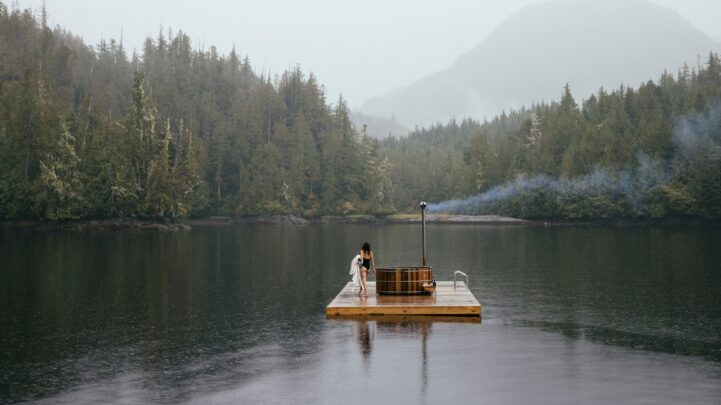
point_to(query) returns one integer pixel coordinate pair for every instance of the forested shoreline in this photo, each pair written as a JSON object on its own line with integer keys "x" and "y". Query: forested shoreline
{"x": 92, "y": 132}
{"x": 171, "y": 132}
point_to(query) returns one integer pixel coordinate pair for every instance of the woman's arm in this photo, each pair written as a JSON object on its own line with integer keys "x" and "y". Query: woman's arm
{"x": 373, "y": 262}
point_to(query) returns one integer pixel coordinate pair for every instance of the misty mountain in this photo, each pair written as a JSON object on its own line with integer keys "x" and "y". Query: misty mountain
{"x": 377, "y": 126}
{"x": 532, "y": 55}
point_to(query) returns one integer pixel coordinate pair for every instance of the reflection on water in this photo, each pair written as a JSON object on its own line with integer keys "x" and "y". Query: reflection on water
{"x": 413, "y": 327}
{"x": 229, "y": 314}
{"x": 409, "y": 327}
{"x": 365, "y": 338}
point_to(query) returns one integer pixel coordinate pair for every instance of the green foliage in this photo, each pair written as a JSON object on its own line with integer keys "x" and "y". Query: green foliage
{"x": 89, "y": 132}
{"x": 616, "y": 132}
{"x": 59, "y": 187}
{"x": 172, "y": 132}
{"x": 429, "y": 164}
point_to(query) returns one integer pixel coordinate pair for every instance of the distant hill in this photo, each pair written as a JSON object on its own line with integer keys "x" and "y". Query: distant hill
{"x": 377, "y": 126}
{"x": 533, "y": 54}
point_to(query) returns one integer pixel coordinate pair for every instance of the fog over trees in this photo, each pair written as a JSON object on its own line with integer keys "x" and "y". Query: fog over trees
{"x": 173, "y": 132}
{"x": 647, "y": 153}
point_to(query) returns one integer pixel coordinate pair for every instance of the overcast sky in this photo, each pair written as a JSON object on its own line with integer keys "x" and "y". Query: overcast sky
{"x": 360, "y": 48}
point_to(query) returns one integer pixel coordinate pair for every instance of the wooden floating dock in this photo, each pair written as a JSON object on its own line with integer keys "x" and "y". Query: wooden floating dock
{"x": 446, "y": 301}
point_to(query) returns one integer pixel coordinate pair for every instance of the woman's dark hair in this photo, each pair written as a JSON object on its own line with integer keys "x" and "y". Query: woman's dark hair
{"x": 366, "y": 247}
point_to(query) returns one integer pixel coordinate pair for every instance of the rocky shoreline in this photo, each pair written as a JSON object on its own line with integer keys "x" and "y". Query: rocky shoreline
{"x": 132, "y": 224}
{"x": 364, "y": 219}
{"x": 119, "y": 224}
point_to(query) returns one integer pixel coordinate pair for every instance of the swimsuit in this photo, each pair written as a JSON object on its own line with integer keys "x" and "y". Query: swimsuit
{"x": 366, "y": 264}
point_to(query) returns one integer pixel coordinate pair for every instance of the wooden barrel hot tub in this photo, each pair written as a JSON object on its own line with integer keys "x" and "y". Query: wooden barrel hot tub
{"x": 402, "y": 280}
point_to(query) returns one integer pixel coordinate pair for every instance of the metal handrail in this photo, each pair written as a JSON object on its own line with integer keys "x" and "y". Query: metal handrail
{"x": 455, "y": 275}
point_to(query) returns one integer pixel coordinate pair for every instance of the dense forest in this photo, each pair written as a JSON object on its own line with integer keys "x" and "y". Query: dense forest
{"x": 92, "y": 132}
{"x": 172, "y": 132}
{"x": 647, "y": 153}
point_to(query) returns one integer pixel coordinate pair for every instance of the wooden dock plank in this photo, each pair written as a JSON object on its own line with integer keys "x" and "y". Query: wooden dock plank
{"x": 446, "y": 301}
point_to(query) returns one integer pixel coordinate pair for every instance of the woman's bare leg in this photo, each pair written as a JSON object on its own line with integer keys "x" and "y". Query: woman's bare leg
{"x": 364, "y": 274}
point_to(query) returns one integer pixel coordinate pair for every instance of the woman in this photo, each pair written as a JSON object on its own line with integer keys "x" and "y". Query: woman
{"x": 369, "y": 264}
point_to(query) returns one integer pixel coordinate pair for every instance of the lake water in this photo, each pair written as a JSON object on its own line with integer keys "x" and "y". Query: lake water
{"x": 236, "y": 315}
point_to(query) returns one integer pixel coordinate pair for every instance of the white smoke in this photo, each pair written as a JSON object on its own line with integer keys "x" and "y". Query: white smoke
{"x": 695, "y": 135}
{"x": 699, "y": 134}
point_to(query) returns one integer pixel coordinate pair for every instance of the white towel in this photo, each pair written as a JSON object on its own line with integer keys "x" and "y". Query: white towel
{"x": 355, "y": 272}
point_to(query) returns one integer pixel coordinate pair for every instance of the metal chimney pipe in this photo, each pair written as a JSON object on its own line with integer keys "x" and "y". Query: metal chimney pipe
{"x": 423, "y": 229}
